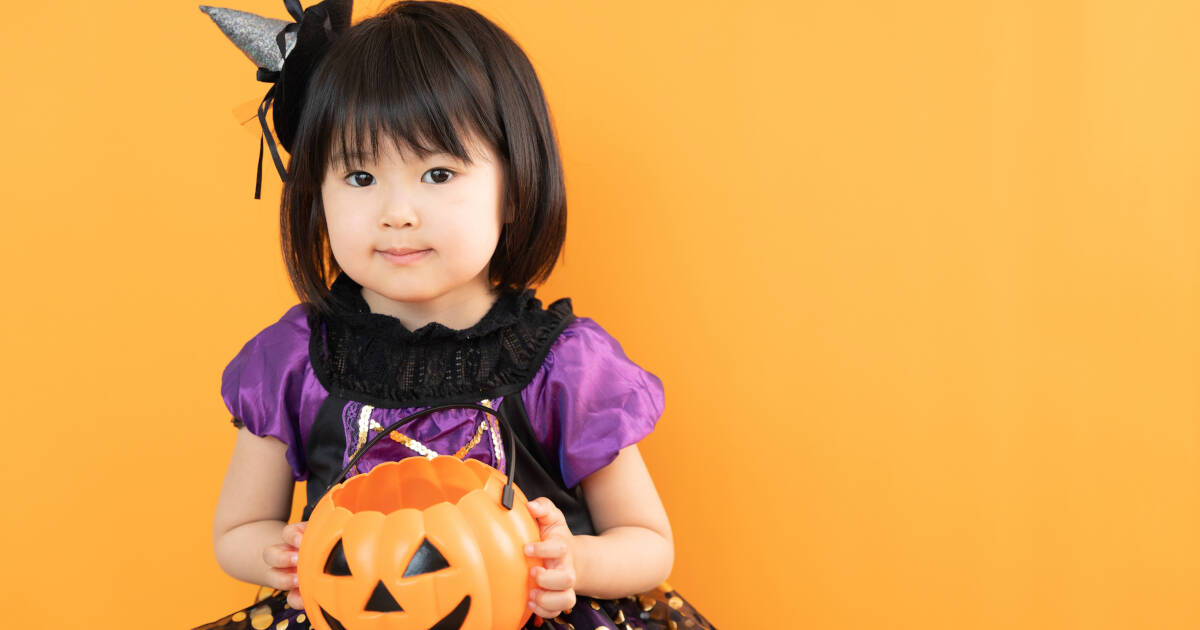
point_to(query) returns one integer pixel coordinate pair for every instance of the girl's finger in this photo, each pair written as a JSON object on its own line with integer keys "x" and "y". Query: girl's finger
{"x": 283, "y": 579}
{"x": 280, "y": 556}
{"x": 546, "y": 549}
{"x": 553, "y": 600}
{"x": 547, "y": 515}
{"x": 554, "y": 580}
{"x": 292, "y": 534}
{"x": 294, "y": 600}
{"x": 542, "y": 612}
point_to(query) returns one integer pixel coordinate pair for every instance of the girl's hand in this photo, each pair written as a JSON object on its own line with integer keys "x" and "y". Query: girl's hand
{"x": 557, "y": 578}
{"x": 282, "y": 562}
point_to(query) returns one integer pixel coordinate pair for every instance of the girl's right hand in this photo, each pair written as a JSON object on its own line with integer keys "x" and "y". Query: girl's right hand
{"x": 281, "y": 560}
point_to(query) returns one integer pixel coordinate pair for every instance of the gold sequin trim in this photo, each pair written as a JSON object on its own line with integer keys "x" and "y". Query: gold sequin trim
{"x": 412, "y": 444}
{"x": 462, "y": 452}
{"x": 675, "y": 602}
{"x": 238, "y": 616}
{"x": 425, "y": 451}
{"x": 366, "y": 424}
{"x": 497, "y": 452}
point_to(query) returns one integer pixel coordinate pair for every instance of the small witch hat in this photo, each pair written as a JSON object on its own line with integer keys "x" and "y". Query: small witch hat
{"x": 286, "y": 54}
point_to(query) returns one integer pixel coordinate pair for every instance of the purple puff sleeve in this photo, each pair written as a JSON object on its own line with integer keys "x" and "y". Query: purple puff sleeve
{"x": 588, "y": 400}
{"x": 264, "y": 385}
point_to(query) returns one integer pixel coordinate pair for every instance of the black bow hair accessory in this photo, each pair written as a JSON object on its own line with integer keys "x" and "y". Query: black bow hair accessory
{"x": 286, "y": 54}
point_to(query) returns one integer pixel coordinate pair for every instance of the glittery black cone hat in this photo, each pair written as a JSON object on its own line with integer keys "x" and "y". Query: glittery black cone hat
{"x": 286, "y": 54}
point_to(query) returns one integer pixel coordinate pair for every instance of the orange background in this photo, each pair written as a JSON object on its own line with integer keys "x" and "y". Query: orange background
{"x": 920, "y": 279}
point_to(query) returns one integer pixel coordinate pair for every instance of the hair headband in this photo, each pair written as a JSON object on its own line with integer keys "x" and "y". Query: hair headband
{"x": 286, "y": 54}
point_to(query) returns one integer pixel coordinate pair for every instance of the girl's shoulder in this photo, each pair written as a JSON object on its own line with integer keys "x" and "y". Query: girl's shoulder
{"x": 268, "y": 385}
{"x": 584, "y": 331}
{"x": 277, "y": 349}
{"x": 585, "y": 343}
{"x": 290, "y": 328}
{"x": 589, "y": 400}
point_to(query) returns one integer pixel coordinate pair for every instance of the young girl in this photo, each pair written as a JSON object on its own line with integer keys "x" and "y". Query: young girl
{"x": 425, "y": 182}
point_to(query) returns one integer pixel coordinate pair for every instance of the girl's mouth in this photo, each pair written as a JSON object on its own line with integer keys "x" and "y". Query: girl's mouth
{"x": 404, "y": 259}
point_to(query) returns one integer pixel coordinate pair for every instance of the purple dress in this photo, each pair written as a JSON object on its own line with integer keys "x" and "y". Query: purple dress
{"x": 580, "y": 399}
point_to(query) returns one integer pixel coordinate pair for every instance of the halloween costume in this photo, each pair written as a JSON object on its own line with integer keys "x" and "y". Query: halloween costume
{"x": 324, "y": 385}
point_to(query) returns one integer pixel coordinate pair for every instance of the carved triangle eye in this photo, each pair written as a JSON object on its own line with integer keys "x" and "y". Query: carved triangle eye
{"x": 382, "y": 601}
{"x": 336, "y": 564}
{"x": 427, "y": 559}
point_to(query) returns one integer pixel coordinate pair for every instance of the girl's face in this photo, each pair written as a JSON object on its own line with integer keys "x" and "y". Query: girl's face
{"x": 446, "y": 211}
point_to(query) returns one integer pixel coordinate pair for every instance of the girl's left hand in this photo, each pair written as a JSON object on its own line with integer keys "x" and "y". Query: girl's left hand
{"x": 556, "y": 580}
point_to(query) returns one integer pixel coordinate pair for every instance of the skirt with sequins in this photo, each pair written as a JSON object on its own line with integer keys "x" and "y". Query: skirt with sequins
{"x": 660, "y": 609}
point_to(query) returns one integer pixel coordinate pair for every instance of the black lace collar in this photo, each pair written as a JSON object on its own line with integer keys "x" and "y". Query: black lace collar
{"x": 373, "y": 358}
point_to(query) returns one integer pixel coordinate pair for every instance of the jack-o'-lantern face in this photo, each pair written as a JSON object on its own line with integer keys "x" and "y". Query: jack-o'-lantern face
{"x": 427, "y": 559}
{"x": 418, "y": 544}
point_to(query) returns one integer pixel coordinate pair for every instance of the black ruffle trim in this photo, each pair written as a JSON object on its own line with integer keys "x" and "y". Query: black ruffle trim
{"x": 374, "y": 359}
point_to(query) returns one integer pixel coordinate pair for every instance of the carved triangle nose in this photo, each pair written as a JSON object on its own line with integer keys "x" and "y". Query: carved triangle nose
{"x": 382, "y": 600}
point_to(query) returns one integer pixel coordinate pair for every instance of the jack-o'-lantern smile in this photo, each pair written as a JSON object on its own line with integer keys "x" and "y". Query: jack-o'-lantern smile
{"x": 452, "y": 621}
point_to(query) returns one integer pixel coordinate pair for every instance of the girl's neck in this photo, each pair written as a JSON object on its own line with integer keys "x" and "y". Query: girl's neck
{"x": 457, "y": 309}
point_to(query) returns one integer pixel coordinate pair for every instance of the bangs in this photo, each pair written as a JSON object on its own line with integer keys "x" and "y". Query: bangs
{"x": 405, "y": 81}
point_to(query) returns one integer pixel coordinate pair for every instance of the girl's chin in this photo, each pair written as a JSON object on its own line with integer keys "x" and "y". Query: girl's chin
{"x": 393, "y": 294}
{"x": 423, "y": 292}
{"x": 417, "y": 285}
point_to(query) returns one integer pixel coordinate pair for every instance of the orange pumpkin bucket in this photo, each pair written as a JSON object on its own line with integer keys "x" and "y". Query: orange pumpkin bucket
{"x": 428, "y": 544}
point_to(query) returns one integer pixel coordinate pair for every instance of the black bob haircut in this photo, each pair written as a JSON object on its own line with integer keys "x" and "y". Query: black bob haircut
{"x": 427, "y": 75}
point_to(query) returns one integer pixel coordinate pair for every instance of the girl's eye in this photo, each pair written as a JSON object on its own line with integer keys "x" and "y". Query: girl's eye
{"x": 358, "y": 176}
{"x": 360, "y": 179}
{"x": 447, "y": 174}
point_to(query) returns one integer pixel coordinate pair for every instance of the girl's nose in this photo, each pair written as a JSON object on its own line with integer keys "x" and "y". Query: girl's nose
{"x": 398, "y": 214}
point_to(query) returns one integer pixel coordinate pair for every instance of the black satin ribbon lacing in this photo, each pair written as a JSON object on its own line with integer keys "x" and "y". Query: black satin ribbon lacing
{"x": 506, "y": 498}
{"x": 272, "y": 76}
